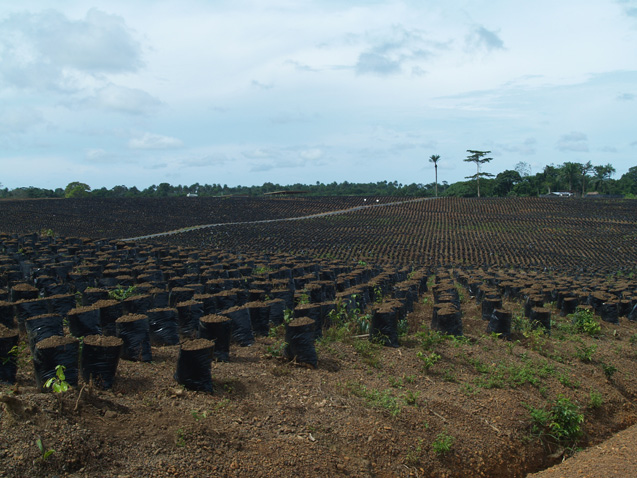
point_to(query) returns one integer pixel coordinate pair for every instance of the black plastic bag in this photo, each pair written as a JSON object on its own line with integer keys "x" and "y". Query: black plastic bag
{"x": 137, "y": 304}
{"x": 194, "y": 365}
{"x": 299, "y": 338}
{"x": 91, "y": 296}
{"x": 100, "y": 356}
{"x": 384, "y": 326}
{"x": 42, "y": 327}
{"x": 500, "y": 323}
{"x": 241, "y": 325}
{"x": 540, "y": 317}
{"x": 30, "y": 308}
{"x": 84, "y": 321}
{"x": 447, "y": 319}
{"x": 189, "y": 313}
{"x": 60, "y": 304}
{"x": 54, "y": 351}
{"x": 164, "y": 326}
{"x": 259, "y": 317}
{"x": 8, "y": 355}
{"x": 217, "y": 328}
{"x": 277, "y": 310}
{"x": 489, "y": 305}
{"x": 134, "y": 330}
{"x": 6, "y": 314}
{"x": 110, "y": 311}
{"x": 313, "y": 311}
{"x": 609, "y": 312}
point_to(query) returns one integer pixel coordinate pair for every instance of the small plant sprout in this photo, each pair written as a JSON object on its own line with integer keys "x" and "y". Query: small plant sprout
{"x": 58, "y": 383}
{"x": 442, "y": 443}
{"x": 44, "y": 453}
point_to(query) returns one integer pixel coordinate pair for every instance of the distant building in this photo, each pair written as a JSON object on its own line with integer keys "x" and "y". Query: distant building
{"x": 192, "y": 195}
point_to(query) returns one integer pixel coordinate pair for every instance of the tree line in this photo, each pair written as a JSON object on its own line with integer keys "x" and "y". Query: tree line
{"x": 576, "y": 178}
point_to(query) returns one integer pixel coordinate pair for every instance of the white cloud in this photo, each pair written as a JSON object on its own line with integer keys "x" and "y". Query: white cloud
{"x": 19, "y": 120}
{"x": 573, "y": 141}
{"x": 123, "y": 100}
{"x": 49, "y": 50}
{"x": 154, "y": 141}
{"x": 481, "y": 38}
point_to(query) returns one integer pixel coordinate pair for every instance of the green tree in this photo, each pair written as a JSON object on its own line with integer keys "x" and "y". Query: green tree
{"x": 505, "y": 181}
{"x": 434, "y": 158}
{"x": 585, "y": 168}
{"x": 571, "y": 172}
{"x": 76, "y": 190}
{"x": 602, "y": 175}
{"x": 478, "y": 157}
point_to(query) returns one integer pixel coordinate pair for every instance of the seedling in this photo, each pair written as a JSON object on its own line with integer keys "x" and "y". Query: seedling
{"x": 121, "y": 293}
{"x": 58, "y": 383}
{"x": 428, "y": 360}
{"x": 44, "y": 453}
{"x": 442, "y": 443}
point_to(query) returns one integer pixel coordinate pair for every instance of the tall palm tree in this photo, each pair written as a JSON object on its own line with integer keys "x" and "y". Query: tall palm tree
{"x": 434, "y": 159}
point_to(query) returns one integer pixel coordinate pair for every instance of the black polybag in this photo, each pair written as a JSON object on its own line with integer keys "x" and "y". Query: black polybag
{"x": 99, "y": 360}
{"x": 164, "y": 326}
{"x": 8, "y": 355}
{"x": 54, "y": 351}
{"x": 134, "y": 330}
{"x": 84, "y": 321}
{"x": 217, "y": 328}
{"x": 194, "y": 365}
{"x": 42, "y": 327}
{"x": 299, "y": 338}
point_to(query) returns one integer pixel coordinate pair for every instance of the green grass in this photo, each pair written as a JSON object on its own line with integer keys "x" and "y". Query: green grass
{"x": 382, "y": 399}
{"x": 442, "y": 443}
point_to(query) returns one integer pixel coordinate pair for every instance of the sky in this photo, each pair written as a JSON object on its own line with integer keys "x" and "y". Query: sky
{"x": 243, "y": 92}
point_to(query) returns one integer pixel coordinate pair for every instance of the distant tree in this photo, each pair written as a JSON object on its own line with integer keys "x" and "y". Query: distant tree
{"x": 434, "y": 158}
{"x": 602, "y": 175}
{"x": 585, "y": 168}
{"x": 571, "y": 172}
{"x": 478, "y": 157}
{"x": 523, "y": 169}
{"x": 505, "y": 181}
{"x": 76, "y": 190}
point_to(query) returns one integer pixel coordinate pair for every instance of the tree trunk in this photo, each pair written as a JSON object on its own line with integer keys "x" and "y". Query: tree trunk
{"x": 436, "y": 170}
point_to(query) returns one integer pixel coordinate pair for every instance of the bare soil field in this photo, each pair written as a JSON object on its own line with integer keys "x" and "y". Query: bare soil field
{"x": 448, "y": 338}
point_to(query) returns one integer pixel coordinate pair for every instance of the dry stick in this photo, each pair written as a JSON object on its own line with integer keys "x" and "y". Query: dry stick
{"x": 439, "y": 416}
{"x": 79, "y": 395}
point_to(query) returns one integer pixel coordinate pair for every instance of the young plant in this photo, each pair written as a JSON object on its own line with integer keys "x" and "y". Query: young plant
{"x": 585, "y": 322}
{"x": 442, "y": 443}
{"x": 58, "y": 383}
{"x": 428, "y": 360}
{"x": 120, "y": 293}
{"x": 44, "y": 452}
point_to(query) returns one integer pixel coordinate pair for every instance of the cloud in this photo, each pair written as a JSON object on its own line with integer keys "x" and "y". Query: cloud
{"x": 573, "y": 141}
{"x": 48, "y": 50}
{"x": 625, "y": 97}
{"x": 527, "y": 147}
{"x": 205, "y": 161}
{"x": 293, "y": 117}
{"x": 261, "y": 86}
{"x": 154, "y": 141}
{"x": 19, "y": 120}
{"x": 391, "y": 49}
{"x": 482, "y": 39}
{"x": 123, "y": 100}
{"x": 299, "y": 66}
{"x": 266, "y": 159}
{"x": 608, "y": 149}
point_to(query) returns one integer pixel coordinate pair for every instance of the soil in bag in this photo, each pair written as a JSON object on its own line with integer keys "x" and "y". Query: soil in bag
{"x": 194, "y": 365}
{"x": 54, "y": 351}
{"x": 100, "y": 356}
{"x": 217, "y": 328}
{"x": 84, "y": 321}
{"x": 42, "y": 327}
{"x": 299, "y": 338}
{"x": 241, "y": 325}
{"x": 8, "y": 354}
{"x": 164, "y": 326}
{"x": 384, "y": 325}
{"x": 134, "y": 330}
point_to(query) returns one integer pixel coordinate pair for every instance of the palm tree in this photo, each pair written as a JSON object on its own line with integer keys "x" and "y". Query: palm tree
{"x": 434, "y": 159}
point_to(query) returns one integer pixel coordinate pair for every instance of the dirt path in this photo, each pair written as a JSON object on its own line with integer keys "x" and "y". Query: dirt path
{"x": 311, "y": 216}
{"x": 615, "y": 457}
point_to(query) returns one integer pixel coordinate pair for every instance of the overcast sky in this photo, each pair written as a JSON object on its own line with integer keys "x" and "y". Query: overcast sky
{"x": 135, "y": 93}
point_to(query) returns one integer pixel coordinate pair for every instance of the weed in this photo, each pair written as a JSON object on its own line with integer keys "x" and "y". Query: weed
{"x": 584, "y": 353}
{"x": 567, "y": 381}
{"x": 121, "y": 293}
{"x": 303, "y": 298}
{"x": 58, "y": 383}
{"x": 469, "y": 390}
{"x": 44, "y": 452}
{"x": 198, "y": 416}
{"x": 442, "y": 443}
{"x": 429, "y": 338}
{"x": 428, "y": 360}
{"x": 561, "y": 422}
{"x": 411, "y": 397}
{"x": 396, "y": 382}
{"x": 595, "y": 399}
{"x": 276, "y": 349}
{"x": 410, "y": 378}
{"x": 180, "y": 439}
{"x": 376, "y": 398}
{"x": 609, "y": 370}
{"x": 585, "y": 322}
{"x": 414, "y": 455}
{"x": 369, "y": 352}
